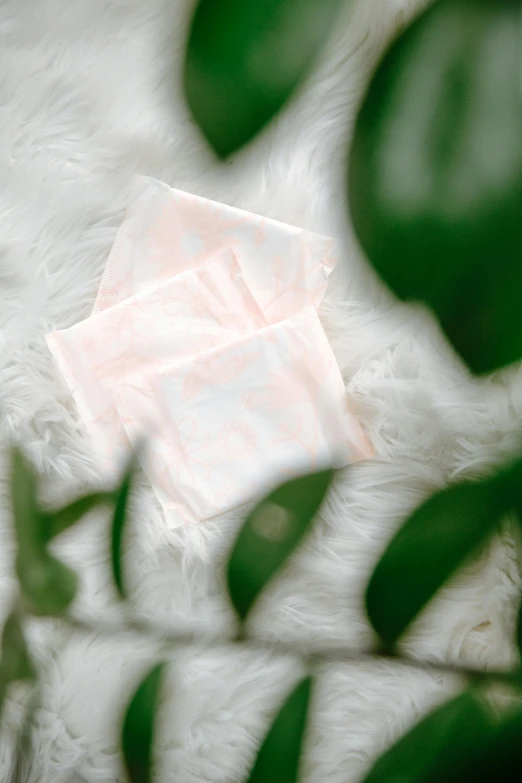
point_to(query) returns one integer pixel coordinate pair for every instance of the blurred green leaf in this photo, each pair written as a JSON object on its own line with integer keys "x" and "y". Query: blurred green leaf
{"x": 270, "y": 534}
{"x": 48, "y": 586}
{"x": 118, "y": 526}
{"x": 435, "y": 173}
{"x": 495, "y": 759}
{"x": 139, "y": 725}
{"x": 56, "y": 522}
{"x": 438, "y": 746}
{"x": 24, "y": 501}
{"x": 245, "y": 58}
{"x": 429, "y": 547}
{"x": 278, "y": 757}
{"x": 15, "y": 663}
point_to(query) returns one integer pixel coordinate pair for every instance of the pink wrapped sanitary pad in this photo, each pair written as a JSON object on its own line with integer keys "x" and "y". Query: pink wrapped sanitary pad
{"x": 226, "y": 425}
{"x": 206, "y": 342}
{"x": 167, "y": 231}
{"x": 174, "y": 320}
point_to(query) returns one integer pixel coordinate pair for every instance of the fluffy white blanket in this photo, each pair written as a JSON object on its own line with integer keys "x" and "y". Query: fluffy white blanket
{"x": 89, "y": 95}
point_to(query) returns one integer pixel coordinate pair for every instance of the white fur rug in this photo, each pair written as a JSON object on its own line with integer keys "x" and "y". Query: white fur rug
{"x": 89, "y": 95}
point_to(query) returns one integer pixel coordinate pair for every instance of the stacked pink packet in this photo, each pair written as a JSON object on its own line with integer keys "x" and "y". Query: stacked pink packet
{"x": 205, "y": 341}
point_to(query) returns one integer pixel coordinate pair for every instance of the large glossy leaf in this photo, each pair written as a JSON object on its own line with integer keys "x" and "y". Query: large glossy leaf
{"x": 278, "y": 757}
{"x": 119, "y": 521}
{"x": 435, "y": 173}
{"x": 138, "y": 727}
{"x": 429, "y": 547}
{"x": 438, "y": 746}
{"x": 244, "y": 60}
{"x": 270, "y": 534}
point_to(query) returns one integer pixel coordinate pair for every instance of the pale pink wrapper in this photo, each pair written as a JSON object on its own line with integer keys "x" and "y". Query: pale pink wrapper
{"x": 174, "y": 320}
{"x": 166, "y": 231}
{"x": 225, "y": 426}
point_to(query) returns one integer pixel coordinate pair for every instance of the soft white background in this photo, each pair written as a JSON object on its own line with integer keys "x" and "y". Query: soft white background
{"x": 89, "y": 95}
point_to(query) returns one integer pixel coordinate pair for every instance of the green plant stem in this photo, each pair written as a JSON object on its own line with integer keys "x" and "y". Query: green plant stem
{"x": 195, "y": 636}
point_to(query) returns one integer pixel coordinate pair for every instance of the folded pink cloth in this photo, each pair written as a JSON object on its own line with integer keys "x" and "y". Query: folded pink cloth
{"x": 167, "y": 231}
{"x": 190, "y": 313}
{"x": 226, "y": 425}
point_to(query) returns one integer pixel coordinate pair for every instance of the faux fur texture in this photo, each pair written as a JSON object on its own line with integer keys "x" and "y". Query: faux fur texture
{"x": 89, "y": 95}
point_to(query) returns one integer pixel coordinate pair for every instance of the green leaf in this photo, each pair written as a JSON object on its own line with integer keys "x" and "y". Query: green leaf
{"x": 24, "y": 502}
{"x": 496, "y": 759}
{"x": 118, "y": 526}
{"x": 429, "y": 547}
{"x": 437, "y": 746}
{"x": 245, "y": 58}
{"x": 278, "y": 757}
{"x": 138, "y": 727}
{"x": 15, "y": 663}
{"x": 56, "y": 522}
{"x": 270, "y": 534}
{"x": 435, "y": 174}
{"x": 48, "y": 586}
